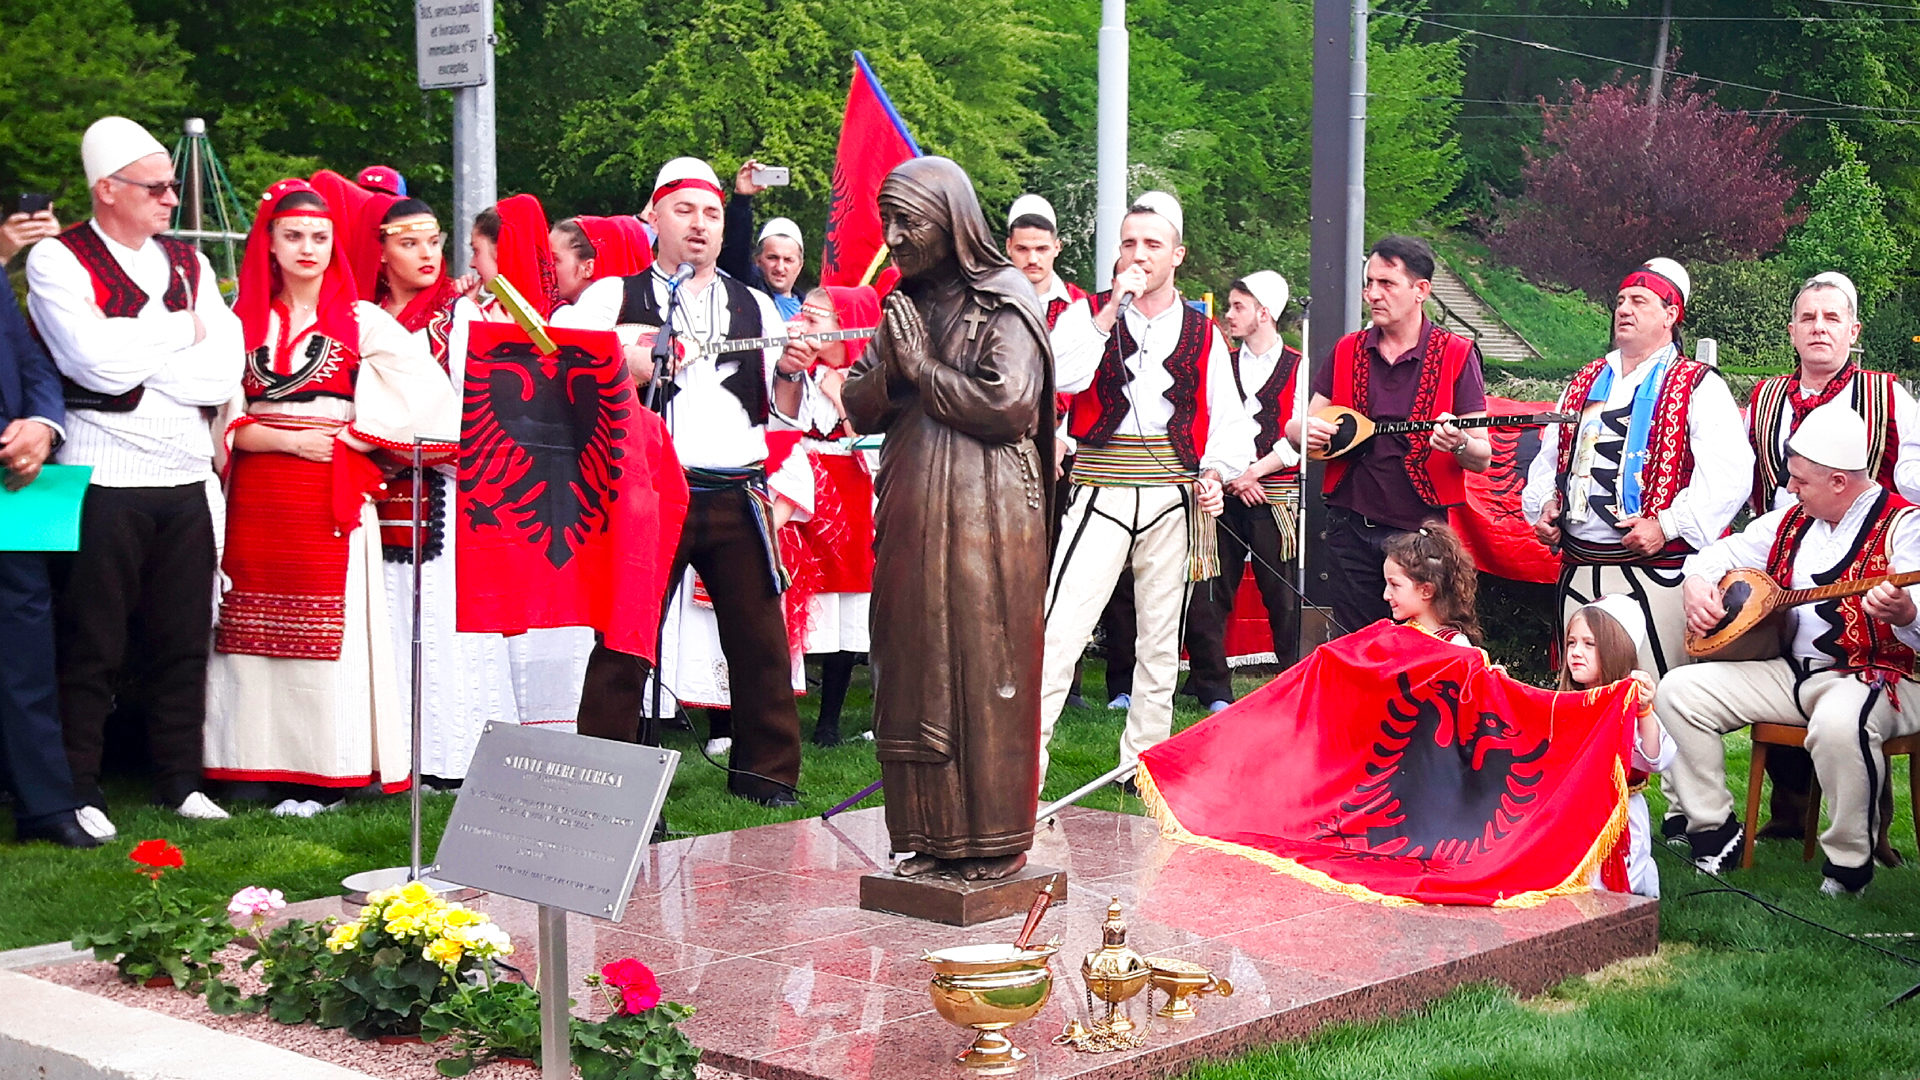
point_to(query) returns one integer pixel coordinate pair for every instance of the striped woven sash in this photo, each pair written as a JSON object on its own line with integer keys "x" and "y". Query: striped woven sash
{"x": 1150, "y": 461}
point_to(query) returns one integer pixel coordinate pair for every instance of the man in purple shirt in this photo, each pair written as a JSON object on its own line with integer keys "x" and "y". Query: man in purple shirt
{"x": 1402, "y": 367}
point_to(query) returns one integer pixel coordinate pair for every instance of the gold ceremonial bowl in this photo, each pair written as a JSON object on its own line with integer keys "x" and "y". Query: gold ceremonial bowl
{"x": 1113, "y": 983}
{"x": 990, "y": 988}
{"x": 1180, "y": 980}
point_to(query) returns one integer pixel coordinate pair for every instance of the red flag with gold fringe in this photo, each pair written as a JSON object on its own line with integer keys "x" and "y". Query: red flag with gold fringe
{"x": 571, "y": 497}
{"x": 1393, "y": 767}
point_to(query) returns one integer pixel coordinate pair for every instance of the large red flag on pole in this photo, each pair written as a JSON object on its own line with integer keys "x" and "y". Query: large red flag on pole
{"x": 1393, "y": 767}
{"x": 1490, "y": 525}
{"x": 873, "y": 139}
{"x": 571, "y": 497}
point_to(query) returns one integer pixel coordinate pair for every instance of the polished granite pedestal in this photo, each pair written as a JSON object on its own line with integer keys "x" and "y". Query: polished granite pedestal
{"x": 761, "y": 930}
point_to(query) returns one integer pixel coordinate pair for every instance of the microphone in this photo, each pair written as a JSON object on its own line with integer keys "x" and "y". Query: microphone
{"x": 681, "y": 274}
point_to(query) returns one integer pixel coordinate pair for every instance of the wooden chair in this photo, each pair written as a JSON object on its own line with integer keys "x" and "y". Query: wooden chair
{"x": 1765, "y": 735}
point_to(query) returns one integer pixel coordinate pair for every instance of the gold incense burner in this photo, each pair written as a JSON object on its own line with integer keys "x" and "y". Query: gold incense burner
{"x": 990, "y": 988}
{"x": 1181, "y": 980}
{"x": 1113, "y": 974}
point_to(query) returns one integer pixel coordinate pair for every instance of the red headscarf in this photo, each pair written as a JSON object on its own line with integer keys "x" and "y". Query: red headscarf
{"x": 1660, "y": 285}
{"x": 260, "y": 281}
{"x": 526, "y": 252}
{"x": 619, "y": 245}
{"x": 855, "y": 306}
{"x": 358, "y": 212}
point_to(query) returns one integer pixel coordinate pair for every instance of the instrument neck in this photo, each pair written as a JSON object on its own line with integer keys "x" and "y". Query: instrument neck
{"x": 1839, "y": 589}
{"x": 1404, "y": 427}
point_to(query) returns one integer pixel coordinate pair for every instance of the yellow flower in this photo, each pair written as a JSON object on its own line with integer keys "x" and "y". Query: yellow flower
{"x": 380, "y": 896}
{"x": 444, "y": 952}
{"x": 463, "y": 916}
{"x": 416, "y": 893}
{"x": 403, "y": 926}
{"x": 343, "y": 938}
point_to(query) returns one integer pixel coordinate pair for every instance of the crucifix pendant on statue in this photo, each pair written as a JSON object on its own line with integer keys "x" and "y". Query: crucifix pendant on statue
{"x": 974, "y": 320}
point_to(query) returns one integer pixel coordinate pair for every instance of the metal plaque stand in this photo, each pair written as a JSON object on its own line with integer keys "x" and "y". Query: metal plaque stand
{"x": 556, "y": 1020}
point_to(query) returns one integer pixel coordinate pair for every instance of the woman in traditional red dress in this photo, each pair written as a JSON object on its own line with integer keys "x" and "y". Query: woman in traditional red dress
{"x": 303, "y": 687}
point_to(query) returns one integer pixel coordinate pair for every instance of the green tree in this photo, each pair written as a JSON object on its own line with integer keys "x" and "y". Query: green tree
{"x": 65, "y": 64}
{"x": 1846, "y": 228}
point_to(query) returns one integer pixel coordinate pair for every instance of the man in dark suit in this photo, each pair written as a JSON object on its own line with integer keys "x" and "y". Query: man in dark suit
{"x": 31, "y": 750}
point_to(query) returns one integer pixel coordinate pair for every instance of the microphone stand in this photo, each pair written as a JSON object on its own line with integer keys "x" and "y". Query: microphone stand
{"x": 663, "y": 347}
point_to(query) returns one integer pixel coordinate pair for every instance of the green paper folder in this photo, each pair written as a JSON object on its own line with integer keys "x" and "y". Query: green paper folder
{"x": 45, "y": 515}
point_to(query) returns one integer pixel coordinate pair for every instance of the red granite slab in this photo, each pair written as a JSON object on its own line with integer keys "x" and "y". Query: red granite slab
{"x": 760, "y": 931}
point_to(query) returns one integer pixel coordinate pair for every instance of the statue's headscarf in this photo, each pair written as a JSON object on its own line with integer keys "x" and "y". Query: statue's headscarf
{"x": 941, "y": 190}
{"x": 938, "y": 188}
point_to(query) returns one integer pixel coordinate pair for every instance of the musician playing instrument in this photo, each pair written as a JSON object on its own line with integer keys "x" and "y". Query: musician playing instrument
{"x": 1401, "y": 368}
{"x": 1847, "y": 660}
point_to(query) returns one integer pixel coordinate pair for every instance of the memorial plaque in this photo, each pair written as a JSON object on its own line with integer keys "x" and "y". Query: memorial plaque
{"x": 450, "y": 42}
{"x": 554, "y": 818}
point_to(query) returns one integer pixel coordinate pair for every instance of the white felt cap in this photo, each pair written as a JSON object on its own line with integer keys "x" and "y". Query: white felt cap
{"x": 1675, "y": 273}
{"x": 1837, "y": 280}
{"x": 685, "y": 172}
{"x": 1832, "y": 435}
{"x": 1031, "y": 205}
{"x": 1166, "y": 206}
{"x": 112, "y": 143}
{"x": 782, "y": 227}
{"x": 1269, "y": 290}
{"x": 1624, "y": 610}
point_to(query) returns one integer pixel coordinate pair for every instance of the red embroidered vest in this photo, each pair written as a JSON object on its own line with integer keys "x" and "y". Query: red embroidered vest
{"x": 119, "y": 297}
{"x": 322, "y": 368}
{"x": 1276, "y": 402}
{"x": 1857, "y": 643}
{"x": 1098, "y": 410}
{"x": 1437, "y": 478}
{"x": 1872, "y": 398}
{"x": 1669, "y": 461}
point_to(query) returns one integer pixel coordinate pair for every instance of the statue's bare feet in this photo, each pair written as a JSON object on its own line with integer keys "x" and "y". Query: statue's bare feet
{"x": 914, "y": 867}
{"x": 993, "y": 869}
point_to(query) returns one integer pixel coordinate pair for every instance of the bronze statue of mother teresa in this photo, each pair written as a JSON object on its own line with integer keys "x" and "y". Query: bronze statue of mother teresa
{"x": 960, "y": 380}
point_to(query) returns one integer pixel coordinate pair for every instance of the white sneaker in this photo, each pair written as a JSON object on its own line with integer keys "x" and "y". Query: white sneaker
{"x": 94, "y": 820}
{"x": 719, "y": 747}
{"x": 287, "y": 808}
{"x": 1121, "y": 702}
{"x": 200, "y": 808}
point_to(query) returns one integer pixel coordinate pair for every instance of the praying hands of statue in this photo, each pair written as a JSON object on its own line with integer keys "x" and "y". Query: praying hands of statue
{"x": 912, "y": 351}
{"x": 1644, "y": 536}
{"x": 1890, "y": 603}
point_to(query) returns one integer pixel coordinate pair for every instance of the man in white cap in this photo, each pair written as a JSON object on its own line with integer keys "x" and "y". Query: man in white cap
{"x": 147, "y": 349}
{"x": 1825, "y": 327}
{"x": 1402, "y": 367}
{"x": 1648, "y": 474}
{"x": 773, "y": 264}
{"x": 1033, "y": 243}
{"x": 1847, "y": 661}
{"x": 1159, "y": 429}
{"x": 1262, "y": 503}
{"x": 718, "y": 406}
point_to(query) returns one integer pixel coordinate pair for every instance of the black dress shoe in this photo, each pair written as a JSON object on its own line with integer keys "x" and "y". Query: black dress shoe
{"x": 63, "y": 829}
{"x": 780, "y": 801}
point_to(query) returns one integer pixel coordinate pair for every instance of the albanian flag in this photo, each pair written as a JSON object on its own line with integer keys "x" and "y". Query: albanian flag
{"x": 1390, "y": 766}
{"x": 873, "y": 139}
{"x": 571, "y": 497}
{"x": 1490, "y": 524}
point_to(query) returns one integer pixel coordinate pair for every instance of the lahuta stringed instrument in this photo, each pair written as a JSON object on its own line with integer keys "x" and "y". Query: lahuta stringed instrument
{"x": 1352, "y": 428}
{"x": 1755, "y": 603}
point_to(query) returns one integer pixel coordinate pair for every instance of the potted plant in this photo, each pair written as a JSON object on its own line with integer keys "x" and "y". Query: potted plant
{"x": 409, "y": 950}
{"x": 496, "y": 1021}
{"x": 640, "y": 1040}
{"x": 162, "y": 938}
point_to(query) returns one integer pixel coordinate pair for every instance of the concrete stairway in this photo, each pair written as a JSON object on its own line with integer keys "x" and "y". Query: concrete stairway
{"x": 1454, "y": 306}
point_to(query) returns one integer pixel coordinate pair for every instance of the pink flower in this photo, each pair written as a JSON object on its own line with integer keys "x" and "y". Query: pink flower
{"x": 638, "y": 989}
{"x": 256, "y": 902}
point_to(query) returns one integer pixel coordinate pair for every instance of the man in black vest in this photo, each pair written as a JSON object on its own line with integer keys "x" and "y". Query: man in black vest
{"x": 717, "y": 407}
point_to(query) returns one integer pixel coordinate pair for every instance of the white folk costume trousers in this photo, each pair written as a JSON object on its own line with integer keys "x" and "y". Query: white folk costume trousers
{"x": 1105, "y": 530}
{"x": 1846, "y": 721}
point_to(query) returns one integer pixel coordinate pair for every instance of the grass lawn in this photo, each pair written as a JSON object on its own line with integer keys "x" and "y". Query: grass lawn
{"x": 1735, "y": 992}
{"x": 1566, "y": 327}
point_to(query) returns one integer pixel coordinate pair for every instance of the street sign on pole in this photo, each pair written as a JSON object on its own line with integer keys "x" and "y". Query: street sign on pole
{"x": 452, "y": 43}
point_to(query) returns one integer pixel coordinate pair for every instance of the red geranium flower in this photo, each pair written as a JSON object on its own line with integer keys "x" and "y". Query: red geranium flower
{"x": 158, "y": 854}
{"x": 639, "y": 991}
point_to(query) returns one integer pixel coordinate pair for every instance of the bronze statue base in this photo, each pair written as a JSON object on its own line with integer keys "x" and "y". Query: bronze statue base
{"x": 943, "y": 897}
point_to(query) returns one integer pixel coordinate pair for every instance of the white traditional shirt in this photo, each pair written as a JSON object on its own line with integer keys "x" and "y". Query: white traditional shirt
{"x": 165, "y": 441}
{"x": 710, "y": 428}
{"x": 1823, "y": 546}
{"x": 1722, "y": 462}
{"x": 1906, "y": 467}
{"x": 1078, "y": 346}
{"x": 1255, "y": 370}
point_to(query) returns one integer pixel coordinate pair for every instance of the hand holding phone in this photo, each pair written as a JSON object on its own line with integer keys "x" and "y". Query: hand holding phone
{"x": 772, "y": 175}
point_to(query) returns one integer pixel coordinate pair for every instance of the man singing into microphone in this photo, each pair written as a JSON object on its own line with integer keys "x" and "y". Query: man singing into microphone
{"x": 717, "y": 407}
{"x": 1159, "y": 428}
